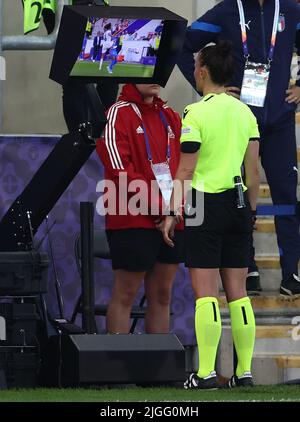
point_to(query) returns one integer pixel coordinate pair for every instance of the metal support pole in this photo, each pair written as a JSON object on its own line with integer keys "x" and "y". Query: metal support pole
{"x": 87, "y": 266}
{"x": 31, "y": 42}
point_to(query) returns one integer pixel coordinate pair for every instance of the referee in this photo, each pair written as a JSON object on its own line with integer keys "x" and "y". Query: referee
{"x": 219, "y": 134}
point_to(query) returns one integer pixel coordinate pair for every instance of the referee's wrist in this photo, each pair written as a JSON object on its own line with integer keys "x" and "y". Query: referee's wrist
{"x": 171, "y": 213}
{"x": 254, "y": 218}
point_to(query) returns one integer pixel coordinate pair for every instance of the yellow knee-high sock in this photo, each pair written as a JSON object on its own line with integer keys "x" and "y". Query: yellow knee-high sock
{"x": 243, "y": 333}
{"x": 208, "y": 332}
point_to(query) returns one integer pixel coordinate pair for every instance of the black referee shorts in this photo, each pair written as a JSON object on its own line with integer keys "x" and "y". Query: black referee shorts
{"x": 224, "y": 239}
{"x": 138, "y": 250}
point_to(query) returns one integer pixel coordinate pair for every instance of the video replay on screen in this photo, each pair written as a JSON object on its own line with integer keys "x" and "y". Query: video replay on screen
{"x": 119, "y": 47}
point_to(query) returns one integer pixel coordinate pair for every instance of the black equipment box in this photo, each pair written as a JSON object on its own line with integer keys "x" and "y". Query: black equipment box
{"x": 20, "y": 351}
{"x": 20, "y": 366}
{"x": 21, "y": 323}
{"x": 23, "y": 273}
{"x": 83, "y": 359}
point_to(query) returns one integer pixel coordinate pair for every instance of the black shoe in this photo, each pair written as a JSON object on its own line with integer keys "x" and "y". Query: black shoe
{"x": 193, "y": 382}
{"x": 245, "y": 380}
{"x": 253, "y": 283}
{"x": 290, "y": 286}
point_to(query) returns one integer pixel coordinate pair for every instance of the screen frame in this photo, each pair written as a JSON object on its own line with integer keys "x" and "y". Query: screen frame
{"x": 71, "y": 41}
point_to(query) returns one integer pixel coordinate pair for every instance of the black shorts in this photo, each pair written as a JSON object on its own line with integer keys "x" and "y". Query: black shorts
{"x": 224, "y": 238}
{"x": 139, "y": 249}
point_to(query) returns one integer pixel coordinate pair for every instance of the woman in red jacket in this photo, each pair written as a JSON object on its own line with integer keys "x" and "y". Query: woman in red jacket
{"x": 140, "y": 152}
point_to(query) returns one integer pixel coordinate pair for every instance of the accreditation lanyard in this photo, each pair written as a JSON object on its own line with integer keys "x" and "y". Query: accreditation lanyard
{"x": 244, "y": 32}
{"x": 256, "y": 75}
{"x": 161, "y": 170}
{"x": 168, "y": 129}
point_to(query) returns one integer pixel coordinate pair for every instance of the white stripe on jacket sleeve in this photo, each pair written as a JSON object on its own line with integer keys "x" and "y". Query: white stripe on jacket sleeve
{"x": 110, "y": 136}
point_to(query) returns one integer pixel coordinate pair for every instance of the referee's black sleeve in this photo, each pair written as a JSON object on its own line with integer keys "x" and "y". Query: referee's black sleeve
{"x": 190, "y": 147}
{"x": 254, "y": 139}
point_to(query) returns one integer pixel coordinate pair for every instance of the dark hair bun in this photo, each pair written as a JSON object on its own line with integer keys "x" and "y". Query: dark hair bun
{"x": 219, "y": 61}
{"x": 224, "y": 48}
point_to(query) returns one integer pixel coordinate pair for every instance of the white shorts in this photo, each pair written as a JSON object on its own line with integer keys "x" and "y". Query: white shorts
{"x": 106, "y": 46}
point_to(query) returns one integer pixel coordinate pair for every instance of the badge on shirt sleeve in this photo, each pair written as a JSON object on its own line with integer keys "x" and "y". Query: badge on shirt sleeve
{"x": 186, "y": 130}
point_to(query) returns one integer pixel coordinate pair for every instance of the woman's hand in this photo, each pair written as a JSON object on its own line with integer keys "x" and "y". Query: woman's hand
{"x": 168, "y": 230}
{"x": 159, "y": 223}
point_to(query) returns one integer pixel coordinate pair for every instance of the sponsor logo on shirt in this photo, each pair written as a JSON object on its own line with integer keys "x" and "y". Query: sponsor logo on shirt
{"x": 185, "y": 113}
{"x": 247, "y": 25}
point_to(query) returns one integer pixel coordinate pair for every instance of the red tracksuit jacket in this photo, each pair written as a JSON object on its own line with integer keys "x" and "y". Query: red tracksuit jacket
{"x": 123, "y": 149}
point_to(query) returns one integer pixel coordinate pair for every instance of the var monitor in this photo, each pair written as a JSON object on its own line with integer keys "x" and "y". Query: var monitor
{"x": 126, "y": 44}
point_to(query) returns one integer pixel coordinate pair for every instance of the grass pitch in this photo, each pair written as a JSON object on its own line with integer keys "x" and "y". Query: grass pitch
{"x": 134, "y": 394}
{"x": 91, "y": 69}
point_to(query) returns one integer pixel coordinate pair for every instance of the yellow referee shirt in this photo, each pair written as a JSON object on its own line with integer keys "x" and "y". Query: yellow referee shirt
{"x": 223, "y": 126}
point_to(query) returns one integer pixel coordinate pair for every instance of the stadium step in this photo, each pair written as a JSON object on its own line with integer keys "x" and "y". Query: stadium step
{"x": 267, "y": 261}
{"x": 268, "y": 265}
{"x": 268, "y": 301}
{"x": 265, "y": 225}
{"x": 277, "y": 350}
{"x": 270, "y": 309}
{"x": 276, "y": 340}
{"x": 264, "y": 192}
{"x": 276, "y": 356}
{"x": 277, "y": 369}
{"x": 270, "y": 280}
{"x": 265, "y": 242}
{"x": 265, "y": 239}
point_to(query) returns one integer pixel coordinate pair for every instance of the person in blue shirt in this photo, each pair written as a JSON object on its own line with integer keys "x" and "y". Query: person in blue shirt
{"x": 264, "y": 34}
{"x": 97, "y": 46}
{"x": 114, "y": 55}
{"x": 159, "y": 28}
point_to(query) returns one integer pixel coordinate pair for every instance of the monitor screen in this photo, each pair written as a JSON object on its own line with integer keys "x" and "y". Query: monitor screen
{"x": 125, "y": 44}
{"x": 119, "y": 48}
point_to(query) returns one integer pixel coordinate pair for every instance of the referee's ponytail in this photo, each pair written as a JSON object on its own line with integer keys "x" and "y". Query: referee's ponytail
{"x": 219, "y": 61}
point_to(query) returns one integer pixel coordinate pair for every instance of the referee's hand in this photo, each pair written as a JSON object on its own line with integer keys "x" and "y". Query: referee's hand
{"x": 168, "y": 230}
